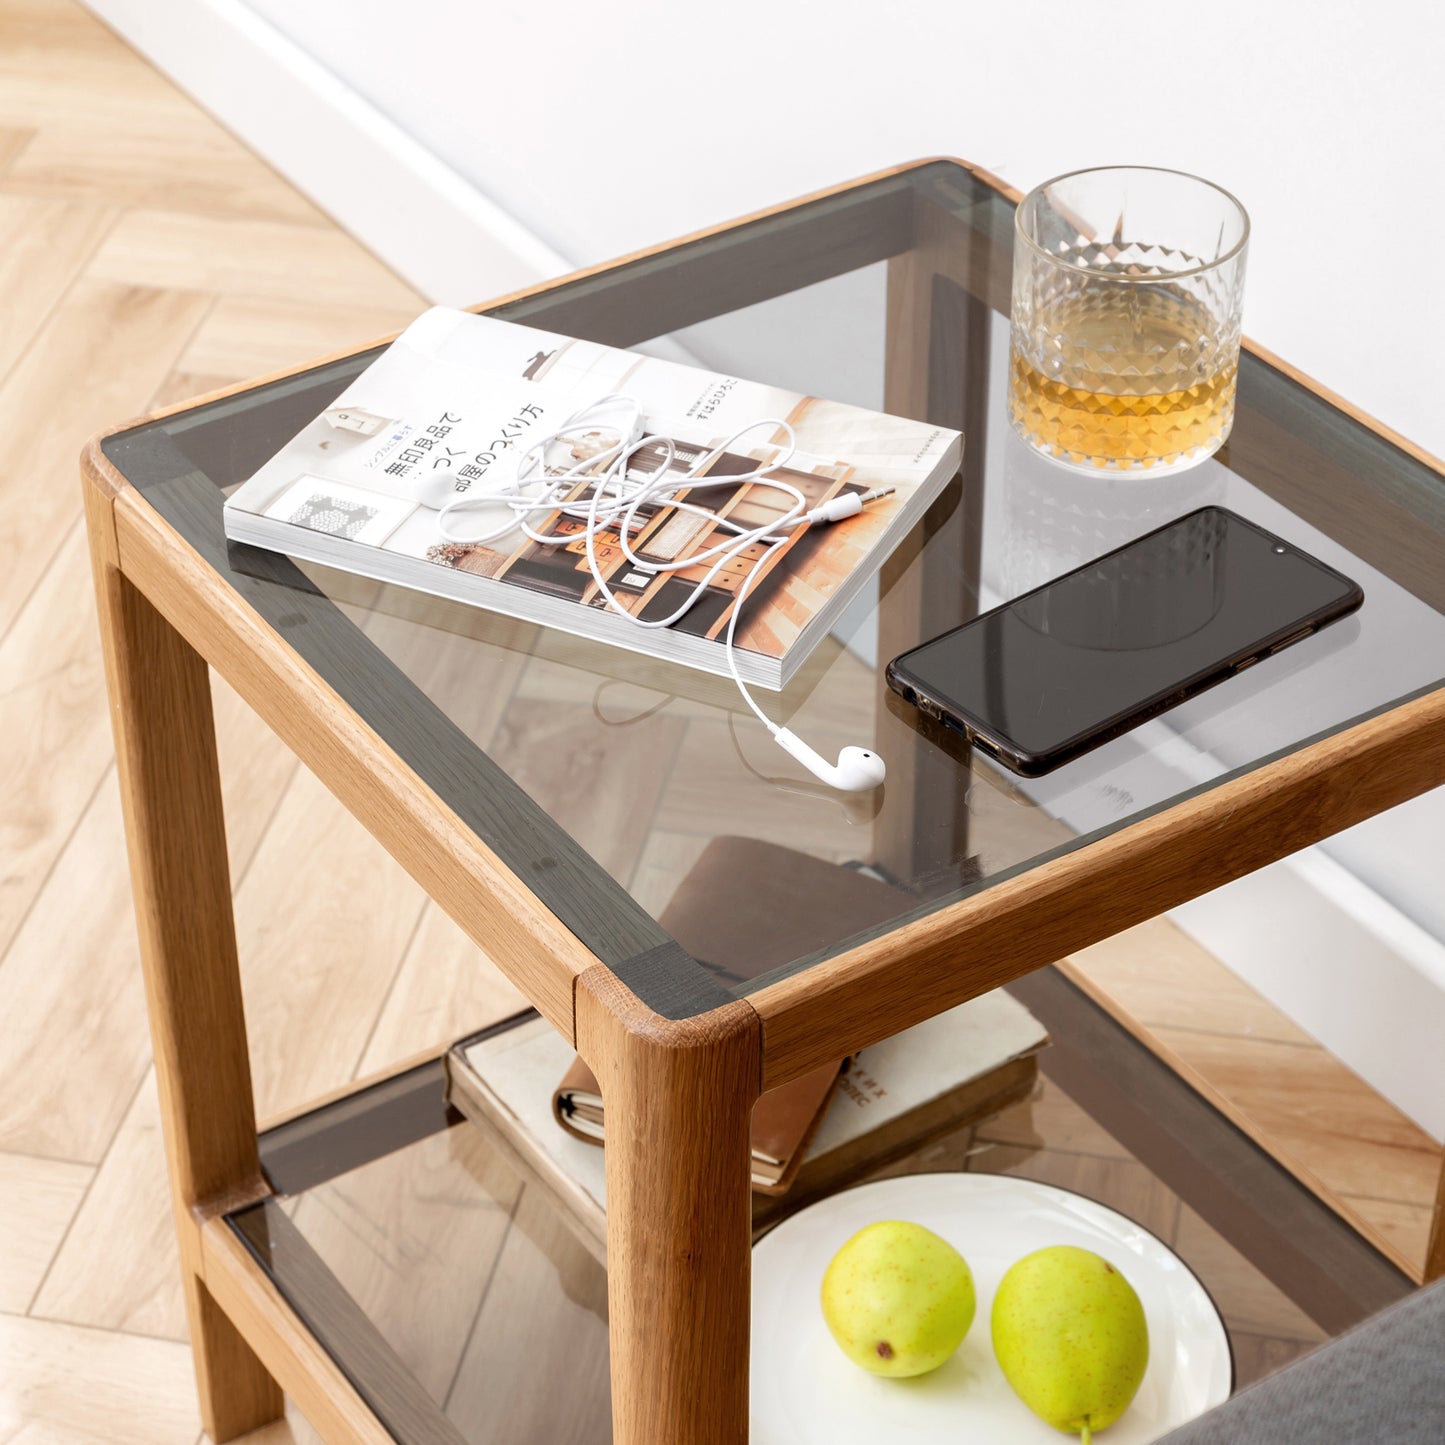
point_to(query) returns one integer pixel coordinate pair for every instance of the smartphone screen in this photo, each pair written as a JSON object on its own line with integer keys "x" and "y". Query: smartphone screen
{"x": 1121, "y": 639}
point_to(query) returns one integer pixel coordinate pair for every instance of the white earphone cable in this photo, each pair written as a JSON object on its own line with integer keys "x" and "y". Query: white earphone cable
{"x": 729, "y": 649}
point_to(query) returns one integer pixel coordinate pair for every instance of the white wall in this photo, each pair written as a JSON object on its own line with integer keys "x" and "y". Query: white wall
{"x": 608, "y": 127}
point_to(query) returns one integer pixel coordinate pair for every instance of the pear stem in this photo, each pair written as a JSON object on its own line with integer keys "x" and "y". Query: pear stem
{"x": 1086, "y": 1435}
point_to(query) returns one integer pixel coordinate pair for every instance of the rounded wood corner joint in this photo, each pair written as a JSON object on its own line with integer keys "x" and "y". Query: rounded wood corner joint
{"x": 609, "y": 1017}
{"x": 96, "y": 470}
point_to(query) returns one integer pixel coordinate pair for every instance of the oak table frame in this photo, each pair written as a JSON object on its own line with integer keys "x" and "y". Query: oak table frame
{"x": 678, "y": 1216}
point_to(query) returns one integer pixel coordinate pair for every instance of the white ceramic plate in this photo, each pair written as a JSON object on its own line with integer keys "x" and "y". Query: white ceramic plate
{"x": 806, "y": 1392}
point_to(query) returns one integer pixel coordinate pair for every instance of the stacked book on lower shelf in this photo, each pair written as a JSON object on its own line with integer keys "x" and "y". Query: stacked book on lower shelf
{"x": 894, "y": 1097}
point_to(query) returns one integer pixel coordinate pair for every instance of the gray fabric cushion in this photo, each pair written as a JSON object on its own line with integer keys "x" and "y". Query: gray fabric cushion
{"x": 1383, "y": 1383}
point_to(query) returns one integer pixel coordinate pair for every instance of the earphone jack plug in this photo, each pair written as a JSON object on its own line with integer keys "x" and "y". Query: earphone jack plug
{"x": 848, "y": 504}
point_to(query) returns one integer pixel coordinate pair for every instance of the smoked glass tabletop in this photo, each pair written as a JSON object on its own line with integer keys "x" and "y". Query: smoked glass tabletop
{"x": 605, "y": 780}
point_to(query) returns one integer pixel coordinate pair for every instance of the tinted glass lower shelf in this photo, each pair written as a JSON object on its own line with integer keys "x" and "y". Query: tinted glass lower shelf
{"x": 459, "y": 1303}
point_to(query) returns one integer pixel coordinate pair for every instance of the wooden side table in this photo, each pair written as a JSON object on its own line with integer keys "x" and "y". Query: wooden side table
{"x": 681, "y": 1056}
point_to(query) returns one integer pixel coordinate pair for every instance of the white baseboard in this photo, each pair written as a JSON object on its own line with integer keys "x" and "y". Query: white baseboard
{"x": 433, "y": 227}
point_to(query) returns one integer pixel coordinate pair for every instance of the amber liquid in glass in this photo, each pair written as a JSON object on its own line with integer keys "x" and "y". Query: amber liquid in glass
{"x": 1127, "y": 377}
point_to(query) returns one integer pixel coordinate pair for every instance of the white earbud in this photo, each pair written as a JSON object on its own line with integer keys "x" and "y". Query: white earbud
{"x": 856, "y": 771}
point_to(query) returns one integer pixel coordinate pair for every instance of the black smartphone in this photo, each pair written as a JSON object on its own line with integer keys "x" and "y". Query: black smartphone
{"x": 1084, "y": 658}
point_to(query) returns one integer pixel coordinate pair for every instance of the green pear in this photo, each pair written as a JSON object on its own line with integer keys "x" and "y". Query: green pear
{"x": 898, "y": 1299}
{"x": 1070, "y": 1336}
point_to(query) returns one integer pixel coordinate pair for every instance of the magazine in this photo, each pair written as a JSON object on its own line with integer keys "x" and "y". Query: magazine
{"x": 463, "y": 396}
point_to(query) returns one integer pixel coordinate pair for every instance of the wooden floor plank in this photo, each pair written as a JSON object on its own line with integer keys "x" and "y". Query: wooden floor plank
{"x": 137, "y": 1288}
{"x": 1297, "y": 1099}
{"x": 44, "y": 244}
{"x": 13, "y": 140}
{"x": 1309, "y": 1106}
{"x": 1051, "y": 1118}
{"x": 193, "y": 166}
{"x": 73, "y": 973}
{"x": 664, "y": 862}
{"x": 717, "y": 790}
{"x": 76, "y": 971}
{"x": 98, "y": 359}
{"x": 256, "y": 770}
{"x": 412, "y": 1238}
{"x": 293, "y": 1430}
{"x": 1247, "y": 1300}
{"x": 445, "y": 989}
{"x": 43, "y": 86}
{"x": 323, "y": 919}
{"x": 77, "y": 1384}
{"x": 38, "y": 1200}
{"x": 556, "y": 758}
{"x": 63, "y": 26}
{"x": 1406, "y": 1226}
{"x": 542, "y": 1325}
{"x": 56, "y": 629}
{"x": 428, "y": 638}
{"x": 84, "y": 117}
{"x": 183, "y": 386}
{"x": 108, "y": 125}
{"x": 47, "y": 1432}
{"x": 56, "y": 731}
{"x": 1167, "y": 980}
{"x": 57, "y": 70}
{"x": 241, "y": 257}
{"x": 248, "y": 336}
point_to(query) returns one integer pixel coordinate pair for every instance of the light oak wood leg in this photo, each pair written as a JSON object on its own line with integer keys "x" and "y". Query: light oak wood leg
{"x": 1435, "y": 1250}
{"x": 166, "y": 756}
{"x": 679, "y": 1100}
